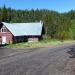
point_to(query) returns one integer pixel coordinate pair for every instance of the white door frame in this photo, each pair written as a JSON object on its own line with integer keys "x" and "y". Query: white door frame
{"x": 3, "y": 39}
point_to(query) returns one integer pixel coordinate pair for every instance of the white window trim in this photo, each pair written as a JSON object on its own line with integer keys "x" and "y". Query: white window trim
{"x": 3, "y": 30}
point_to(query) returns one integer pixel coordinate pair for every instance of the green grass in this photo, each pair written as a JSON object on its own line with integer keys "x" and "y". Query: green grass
{"x": 42, "y": 43}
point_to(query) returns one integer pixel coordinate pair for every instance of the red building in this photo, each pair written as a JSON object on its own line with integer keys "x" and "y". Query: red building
{"x": 20, "y": 32}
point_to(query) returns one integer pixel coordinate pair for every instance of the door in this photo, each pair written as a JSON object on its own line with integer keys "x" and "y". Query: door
{"x": 3, "y": 39}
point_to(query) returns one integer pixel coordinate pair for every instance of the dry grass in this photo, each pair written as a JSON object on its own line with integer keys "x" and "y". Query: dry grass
{"x": 42, "y": 43}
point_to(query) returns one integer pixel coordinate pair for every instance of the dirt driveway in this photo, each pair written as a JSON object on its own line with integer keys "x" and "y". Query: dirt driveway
{"x": 38, "y": 61}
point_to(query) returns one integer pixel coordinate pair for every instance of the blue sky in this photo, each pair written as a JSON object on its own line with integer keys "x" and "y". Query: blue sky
{"x": 56, "y": 5}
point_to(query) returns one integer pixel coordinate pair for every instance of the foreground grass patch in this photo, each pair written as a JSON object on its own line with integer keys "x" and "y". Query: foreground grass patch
{"x": 42, "y": 43}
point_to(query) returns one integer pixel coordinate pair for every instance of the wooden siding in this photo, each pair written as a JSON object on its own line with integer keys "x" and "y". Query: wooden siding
{"x": 9, "y": 39}
{"x": 33, "y": 39}
{"x": 7, "y": 34}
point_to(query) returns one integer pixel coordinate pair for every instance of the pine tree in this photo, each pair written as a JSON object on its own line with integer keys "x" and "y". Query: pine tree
{"x": 4, "y": 14}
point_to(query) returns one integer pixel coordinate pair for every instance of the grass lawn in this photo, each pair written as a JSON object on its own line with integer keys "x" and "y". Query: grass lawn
{"x": 42, "y": 43}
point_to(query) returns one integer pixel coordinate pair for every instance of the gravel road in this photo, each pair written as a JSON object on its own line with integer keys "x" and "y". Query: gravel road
{"x": 38, "y": 61}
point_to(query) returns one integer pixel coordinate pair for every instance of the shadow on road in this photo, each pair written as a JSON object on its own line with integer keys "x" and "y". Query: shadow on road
{"x": 2, "y": 45}
{"x": 71, "y": 52}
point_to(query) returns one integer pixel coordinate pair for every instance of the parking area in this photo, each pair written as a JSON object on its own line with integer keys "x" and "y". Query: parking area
{"x": 38, "y": 61}
{"x": 4, "y": 52}
{"x": 8, "y": 52}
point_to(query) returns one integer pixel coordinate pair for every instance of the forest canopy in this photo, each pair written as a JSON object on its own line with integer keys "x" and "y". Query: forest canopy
{"x": 57, "y": 25}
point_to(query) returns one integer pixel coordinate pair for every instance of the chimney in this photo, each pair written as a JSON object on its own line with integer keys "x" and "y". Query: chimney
{"x": 41, "y": 22}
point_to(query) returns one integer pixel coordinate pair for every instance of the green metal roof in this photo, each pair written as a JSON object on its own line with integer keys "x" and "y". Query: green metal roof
{"x": 27, "y": 29}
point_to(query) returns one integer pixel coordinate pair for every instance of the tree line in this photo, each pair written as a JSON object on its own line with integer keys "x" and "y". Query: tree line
{"x": 57, "y": 25}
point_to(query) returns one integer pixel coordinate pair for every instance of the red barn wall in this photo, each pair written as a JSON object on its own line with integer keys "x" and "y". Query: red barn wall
{"x": 9, "y": 38}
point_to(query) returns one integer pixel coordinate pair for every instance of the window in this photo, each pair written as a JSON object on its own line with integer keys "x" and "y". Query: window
{"x": 3, "y": 29}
